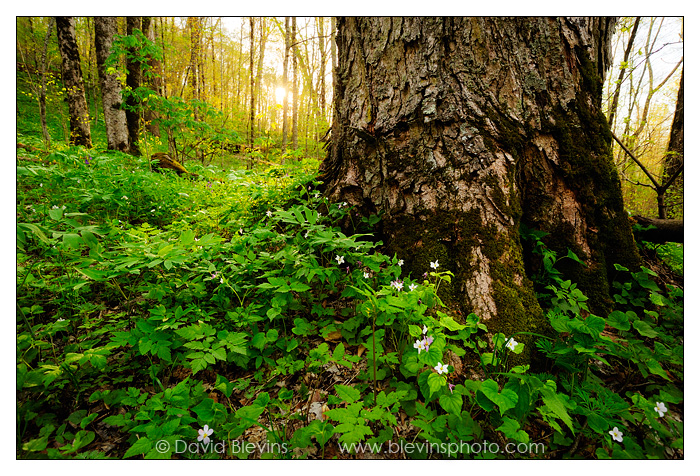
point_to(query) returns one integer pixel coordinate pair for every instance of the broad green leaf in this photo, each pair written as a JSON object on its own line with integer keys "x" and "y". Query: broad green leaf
{"x": 598, "y": 423}
{"x": 505, "y": 400}
{"x": 348, "y": 394}
{"x": 644, "y": 329}
{"x": 511, "y": 429}
{"x": 553, "y": 402}
{"x": 206, "y": 409}
{"x": 436, "y": 382}
{"x": 141, "y": 446}
{"x": 451, "y": 403}
{"x": 619, "y": 320}
{"x": 655, "y": 367}
{"x": 73, "y": 240}
{"x": 339, "y": 352}
{"x": 450, "y": 323}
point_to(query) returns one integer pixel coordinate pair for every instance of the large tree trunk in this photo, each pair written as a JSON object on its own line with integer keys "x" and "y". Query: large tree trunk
{"x": 115, "y": 117}
{"x": 73, "y": 82}
{"x": 460, "y": 130}
{"x": 133, "y": 81}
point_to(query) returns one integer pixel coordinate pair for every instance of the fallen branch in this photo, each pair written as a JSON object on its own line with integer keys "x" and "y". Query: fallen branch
{"x": 661, "y": 231}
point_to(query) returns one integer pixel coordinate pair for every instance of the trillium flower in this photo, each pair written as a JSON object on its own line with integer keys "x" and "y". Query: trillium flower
{"x": 420, "y": 345}
{"x": 441, "y": 368}
{"x": 616, "y": 434}
{"x": 340, "y": 259}
{"x": 204, "y": 434}
{"x": 660, "y": 408}
{"x": 434, "y": 264}
{"x": 511, "y": 344}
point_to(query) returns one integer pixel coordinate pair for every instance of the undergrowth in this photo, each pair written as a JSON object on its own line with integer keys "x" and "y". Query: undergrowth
{"x": 230, "y": 317}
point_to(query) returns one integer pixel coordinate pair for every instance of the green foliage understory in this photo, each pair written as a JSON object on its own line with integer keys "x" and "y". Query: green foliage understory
{"x": 165, "y": 317}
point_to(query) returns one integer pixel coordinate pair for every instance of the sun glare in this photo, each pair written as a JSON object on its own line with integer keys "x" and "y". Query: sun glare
{"x": 279, "y": 94}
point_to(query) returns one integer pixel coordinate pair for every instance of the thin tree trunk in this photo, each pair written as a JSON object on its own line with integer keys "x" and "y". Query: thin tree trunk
{"x": 322, "y": 75}
{"x": 261, "y": 59}
{"x": 621, "y": 76}
{"x": 458, "y": 130}
{"x": 73, "y": 82}
{"x": 285, "y": 84}
{"x": 42, "y": 88}
{"x": 152, "y": 80}
{"x": 133, "y": 82}
{"x": 251, "y": 136}
{"x": 295, "y": 87}
{"x": 115, "y": 117}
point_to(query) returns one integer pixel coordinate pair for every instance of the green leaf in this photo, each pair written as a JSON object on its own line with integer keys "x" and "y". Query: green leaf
{"x": 450, "y": 323}
{"x": 598, "y": 423}
{"x": 73, "y": 240}
{"x": 56, "y": 213}
{"x": 655, "y": 367}
{"x": 205, "y": 410}
{"x": 141, "y": 446}
{"x": 644, "y": 329}
{"x": 505, "y": 400}
{"x": 436, "y": 382}
{"x": 618, "y": 320}
{"x": 553, "y": 401}
{"x": 348, "y": 394}
{"x": 339, "y": 352}
{"x": 511, "y": 429}
{"x": 451, "y": 403}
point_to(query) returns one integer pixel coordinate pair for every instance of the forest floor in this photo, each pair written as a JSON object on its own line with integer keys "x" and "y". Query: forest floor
{"x": 228, "y": 316}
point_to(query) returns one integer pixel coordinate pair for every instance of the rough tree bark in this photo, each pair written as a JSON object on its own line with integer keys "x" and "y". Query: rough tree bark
{"x": 459, "y": 130}
{"x": 73, "y": 82}
{"x": 115, "y": 116}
